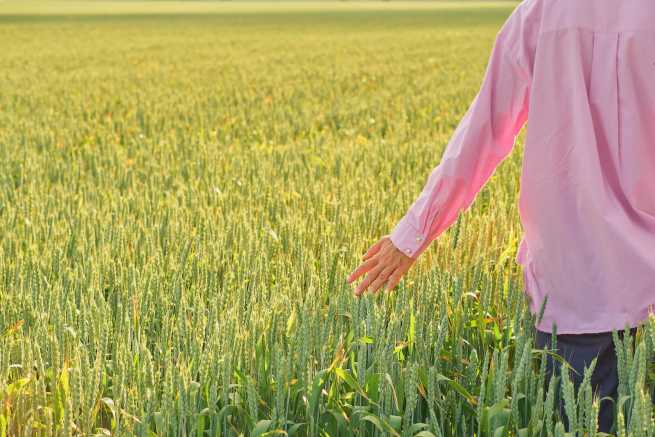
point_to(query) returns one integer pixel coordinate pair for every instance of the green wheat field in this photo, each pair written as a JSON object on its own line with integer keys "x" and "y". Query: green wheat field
{"x": 184, "y": 188}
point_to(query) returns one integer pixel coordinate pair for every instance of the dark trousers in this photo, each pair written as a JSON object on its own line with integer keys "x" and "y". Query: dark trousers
{"x": 579, "y": 350}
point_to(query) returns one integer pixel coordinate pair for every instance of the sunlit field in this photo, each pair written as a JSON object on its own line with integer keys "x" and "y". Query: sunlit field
{"x": 184, "y": 188}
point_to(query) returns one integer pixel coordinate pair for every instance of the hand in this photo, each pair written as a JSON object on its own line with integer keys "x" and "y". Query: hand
{"x": 385, "y": 263}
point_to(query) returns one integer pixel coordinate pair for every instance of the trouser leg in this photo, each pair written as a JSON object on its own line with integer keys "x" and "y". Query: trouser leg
{"x": 579, "y": 350}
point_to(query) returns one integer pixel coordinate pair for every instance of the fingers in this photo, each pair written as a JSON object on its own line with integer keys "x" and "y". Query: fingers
{"x": 394, "y": 279}
{"x": 381, "y": 279}
{"x": 384, "y": 264}
{"x": 369, "y": 278}
{"x": 362, "y": 268}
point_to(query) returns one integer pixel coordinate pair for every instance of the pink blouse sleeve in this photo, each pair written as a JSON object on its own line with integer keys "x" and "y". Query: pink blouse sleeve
{"x": 483, "y": 138}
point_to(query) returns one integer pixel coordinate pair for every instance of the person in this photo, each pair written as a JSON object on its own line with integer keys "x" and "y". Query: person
{"x": 580, "y": 74}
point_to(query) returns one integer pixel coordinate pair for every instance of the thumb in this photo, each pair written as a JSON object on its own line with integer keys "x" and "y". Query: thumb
{"x": 375, "y": 248}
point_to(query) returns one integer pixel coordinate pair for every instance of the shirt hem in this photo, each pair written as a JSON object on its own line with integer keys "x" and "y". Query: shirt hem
{"x": 631, "y": 320}
{"x": 631, "y": 323}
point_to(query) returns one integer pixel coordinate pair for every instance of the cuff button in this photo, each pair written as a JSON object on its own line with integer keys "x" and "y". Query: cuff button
{"x": 419, "y": 238}
{"x": 408, "y": 250}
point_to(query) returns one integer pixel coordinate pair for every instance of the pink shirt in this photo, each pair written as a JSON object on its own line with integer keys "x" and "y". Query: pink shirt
{"x": 583, "y": 73}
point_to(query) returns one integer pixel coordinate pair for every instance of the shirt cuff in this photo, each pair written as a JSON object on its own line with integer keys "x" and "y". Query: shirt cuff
{"x": 407, "y": 238}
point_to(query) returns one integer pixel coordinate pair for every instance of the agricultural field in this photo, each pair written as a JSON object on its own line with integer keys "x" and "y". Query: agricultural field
{"x": 184, "y": 188}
